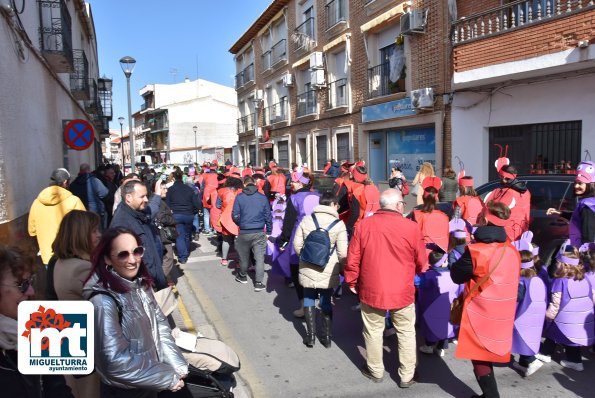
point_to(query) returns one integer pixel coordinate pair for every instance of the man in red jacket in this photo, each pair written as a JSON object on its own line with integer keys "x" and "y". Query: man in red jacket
{"x": 385, "y": 253}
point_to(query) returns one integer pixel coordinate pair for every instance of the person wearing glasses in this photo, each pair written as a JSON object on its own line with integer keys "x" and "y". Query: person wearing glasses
{"x": 16, "y": 285}
{"x": 137, "y": 212}
{"x": 135, "y": 354}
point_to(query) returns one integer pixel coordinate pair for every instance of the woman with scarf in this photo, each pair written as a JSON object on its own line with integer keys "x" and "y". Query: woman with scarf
{"x": 16, "y": 285}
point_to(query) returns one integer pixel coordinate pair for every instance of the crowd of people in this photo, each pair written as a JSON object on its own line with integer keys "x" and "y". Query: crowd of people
{"x": 115, "y": 239}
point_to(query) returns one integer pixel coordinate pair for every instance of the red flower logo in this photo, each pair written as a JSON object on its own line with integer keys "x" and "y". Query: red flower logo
{"x": 43, "y": 319}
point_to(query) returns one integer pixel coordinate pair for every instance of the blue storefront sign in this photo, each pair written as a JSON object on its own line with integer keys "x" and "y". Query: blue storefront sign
{"x": 387, "y": 110}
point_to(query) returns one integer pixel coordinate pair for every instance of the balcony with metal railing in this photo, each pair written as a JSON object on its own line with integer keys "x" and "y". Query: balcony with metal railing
{"x": 307, "y": 103}
{"x": 266, "y": 60}
{"x": 279, "y": 52}
{"x": 336, "y": 12}
{"x": 55, "y": 34}
{"x": 104, "y": 91}
{"x": 79, "y": 77}
{"x": 513, "y": 16}
{"x": 276, "y": 113}
{"x": 303, "y": 35}
{"x": 379, "y": 82}
{"x": 245, "y": 76}
{"x": 246, "y": 123}
{"x": 337, "y": 93}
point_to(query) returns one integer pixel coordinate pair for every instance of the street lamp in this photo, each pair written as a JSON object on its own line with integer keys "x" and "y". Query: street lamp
{"x": 127, "y": 63}
{"x": 121, "y": 120}
{"x": 195, "y": 128}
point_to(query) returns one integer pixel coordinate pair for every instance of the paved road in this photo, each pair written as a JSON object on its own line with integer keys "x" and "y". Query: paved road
{"x": 275, "y": 363}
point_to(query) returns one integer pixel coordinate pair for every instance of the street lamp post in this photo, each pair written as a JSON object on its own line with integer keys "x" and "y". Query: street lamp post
{"x": 195, "y": 128}
{"x": 127, "y": 63}
{"x": 121, "y": 120}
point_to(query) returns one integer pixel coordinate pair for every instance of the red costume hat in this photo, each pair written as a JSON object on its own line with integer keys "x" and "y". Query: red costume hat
{"x": 357, "y": 176}
{"x": 464, "y": 182}
{"x": 493, "y": 219}
{"x": 503, "y": 161}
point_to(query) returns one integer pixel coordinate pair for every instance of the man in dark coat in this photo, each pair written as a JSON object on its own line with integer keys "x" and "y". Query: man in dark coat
{"x": 183, "y": 201}
{"x": 136, "y": 212}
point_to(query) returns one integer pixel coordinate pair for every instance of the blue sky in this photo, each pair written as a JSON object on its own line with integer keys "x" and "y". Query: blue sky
{"x": 167, "y": 35}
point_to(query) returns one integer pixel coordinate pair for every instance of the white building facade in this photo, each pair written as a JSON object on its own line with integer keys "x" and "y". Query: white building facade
{"x": 192, "y": 121}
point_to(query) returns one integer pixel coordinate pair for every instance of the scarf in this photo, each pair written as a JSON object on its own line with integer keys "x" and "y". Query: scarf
{"x": 8, "y": 333}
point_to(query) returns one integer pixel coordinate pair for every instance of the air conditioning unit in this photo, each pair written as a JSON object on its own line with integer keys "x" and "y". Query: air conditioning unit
{"x": 414, "y": 22}
{"x": 258, "y": 95}
{"x": 288, "y": 80}
{"x": 422, "y": 98}
{"x": 316, "y": 60}
{"x": 317, "y": 78}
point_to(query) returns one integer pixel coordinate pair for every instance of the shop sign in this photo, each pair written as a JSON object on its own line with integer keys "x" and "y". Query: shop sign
{"x": 387, "y": 110}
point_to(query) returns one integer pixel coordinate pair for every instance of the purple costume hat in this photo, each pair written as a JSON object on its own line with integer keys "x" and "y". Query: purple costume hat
{"x": 525, "y": 244}
{"x": 562, "y": 258}
{"x": 458, "y": 228}
{"x": 298, "y": 176}
{"x": 587, "y": 247}
{"x": 585, "y": 172}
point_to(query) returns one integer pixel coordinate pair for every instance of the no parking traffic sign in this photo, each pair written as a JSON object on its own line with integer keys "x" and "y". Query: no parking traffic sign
{"x": 79, "y": 134}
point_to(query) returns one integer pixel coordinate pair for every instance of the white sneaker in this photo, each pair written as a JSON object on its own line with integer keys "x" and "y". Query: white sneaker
{"x": 572, "y": 365}
{"x": 533, "y": 367}
{"x": 521, "y": 369}
{"x": 426, "y": 349}
{"x": 543, "y": 358}
{"x": 440, "y": 352}
{"x": 455, "y": 341}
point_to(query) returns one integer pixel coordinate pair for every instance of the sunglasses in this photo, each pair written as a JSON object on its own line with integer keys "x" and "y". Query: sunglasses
{"x": 137, "y": 253}
{"x": 24, "y": 285}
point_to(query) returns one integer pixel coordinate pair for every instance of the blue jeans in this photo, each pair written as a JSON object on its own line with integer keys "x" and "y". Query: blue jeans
{"x": 184, "y": 228}
{"x": 206, "y": 217}
{"x": 310, "y": 295}
{"x": 195, "y": 224}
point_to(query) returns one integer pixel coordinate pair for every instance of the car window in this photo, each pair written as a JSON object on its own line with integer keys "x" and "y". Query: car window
{"x": 487, "y": 188}
{"x": 546, "y": 194}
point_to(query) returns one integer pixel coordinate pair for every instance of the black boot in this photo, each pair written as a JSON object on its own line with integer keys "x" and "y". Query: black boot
{"x": 310, "y": 315}
{"x": 488, "y": 387}
{"x": 327, "y": 326}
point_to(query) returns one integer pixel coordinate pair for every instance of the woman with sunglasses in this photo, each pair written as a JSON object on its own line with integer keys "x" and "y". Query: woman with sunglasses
{"x": 135, "y": 354}
{"x": 16, "y": 267}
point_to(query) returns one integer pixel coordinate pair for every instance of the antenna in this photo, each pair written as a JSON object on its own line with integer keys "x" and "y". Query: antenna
{"x": 174, "y": 73}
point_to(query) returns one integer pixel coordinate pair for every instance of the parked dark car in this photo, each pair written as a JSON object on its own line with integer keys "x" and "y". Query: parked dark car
{"x": 547, "y": 190}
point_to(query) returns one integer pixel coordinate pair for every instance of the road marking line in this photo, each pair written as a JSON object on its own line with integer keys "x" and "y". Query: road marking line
{"x": 225, "y": 335}
{"x": 185, "y": 315}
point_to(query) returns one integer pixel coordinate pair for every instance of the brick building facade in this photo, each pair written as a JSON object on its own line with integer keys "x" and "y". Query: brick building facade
{"x": 522, "y": 77}
{"x": 363, "y": 109}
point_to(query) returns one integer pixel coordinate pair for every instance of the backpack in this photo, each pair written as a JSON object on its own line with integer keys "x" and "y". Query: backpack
{"x": 317, "y": 245}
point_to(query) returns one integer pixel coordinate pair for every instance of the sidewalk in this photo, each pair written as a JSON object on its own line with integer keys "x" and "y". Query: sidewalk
{"x": 189, "y": 315}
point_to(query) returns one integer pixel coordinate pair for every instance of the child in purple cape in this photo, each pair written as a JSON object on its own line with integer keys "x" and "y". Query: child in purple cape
{"x": 587, "y": 251}
{"x": 530, "y": 311}
{"x": 273, "y": 252}
{"x": 436, "y": 294}
{"x": 570, "y": 312}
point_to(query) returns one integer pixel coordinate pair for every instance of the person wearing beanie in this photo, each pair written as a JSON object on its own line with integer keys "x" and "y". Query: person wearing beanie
{"x": 48, "y": 209}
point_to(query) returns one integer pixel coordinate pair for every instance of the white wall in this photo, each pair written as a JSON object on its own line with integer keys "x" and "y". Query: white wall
{"x": 565, "y": 99}
{"x": 33, "y": 105}
{"x": 167, "y": 94}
